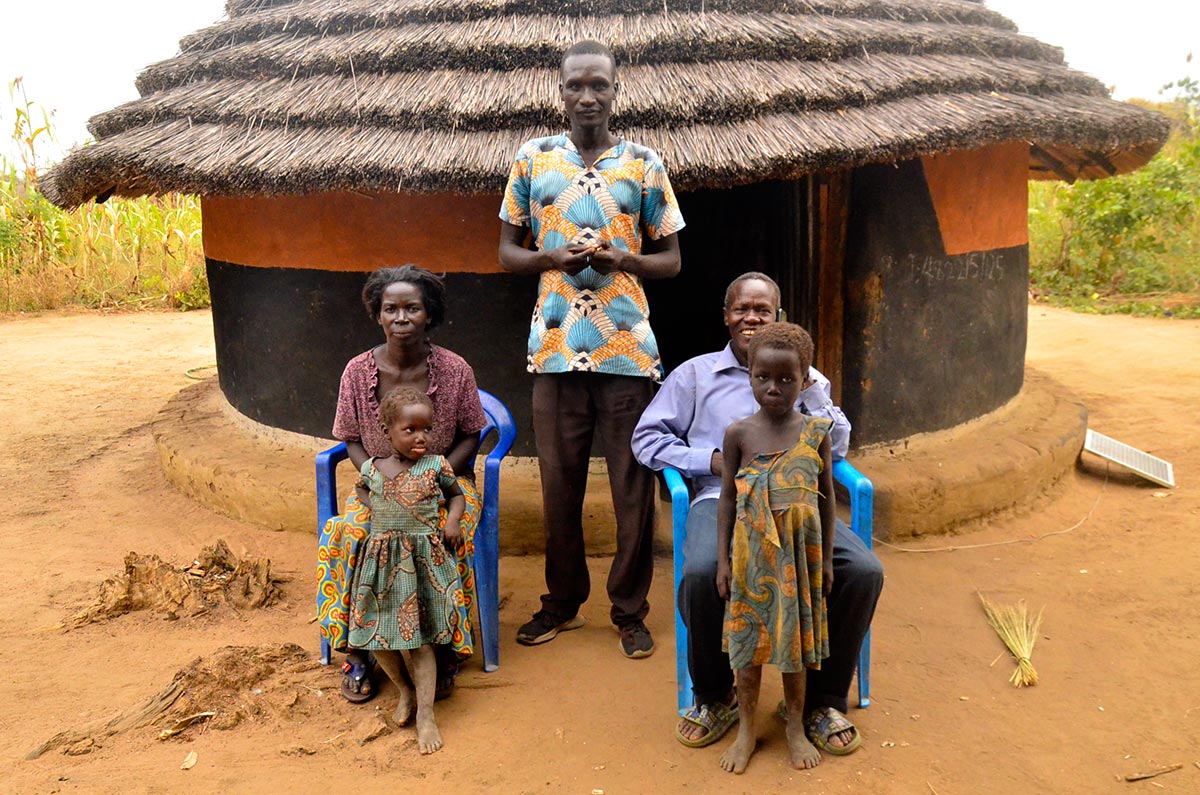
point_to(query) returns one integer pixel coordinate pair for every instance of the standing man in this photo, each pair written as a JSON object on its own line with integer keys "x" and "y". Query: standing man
{"x": 603, "y": 217}
{"x": 684, "y": 428}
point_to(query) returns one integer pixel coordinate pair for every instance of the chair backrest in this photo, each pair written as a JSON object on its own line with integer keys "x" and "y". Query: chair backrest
{"x": 500, "y": 420}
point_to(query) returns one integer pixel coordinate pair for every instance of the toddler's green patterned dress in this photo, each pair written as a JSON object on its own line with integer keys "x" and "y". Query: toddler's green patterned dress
{"x": 406, "y": 591}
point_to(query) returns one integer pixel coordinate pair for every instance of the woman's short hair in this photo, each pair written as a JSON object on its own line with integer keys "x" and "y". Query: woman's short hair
{"x": 432, "y": 287}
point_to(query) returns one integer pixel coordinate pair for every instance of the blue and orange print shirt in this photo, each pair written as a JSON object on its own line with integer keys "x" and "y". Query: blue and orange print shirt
{"x": 591, "y": 322}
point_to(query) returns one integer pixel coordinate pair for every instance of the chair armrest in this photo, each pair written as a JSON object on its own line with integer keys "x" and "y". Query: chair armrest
{"x": 680, "y": 498}
{"x": 681, "y": 501}
{"x": 327, "y": 461}
{"x": 862, "y": 498}
{"x": 680, "y": 505}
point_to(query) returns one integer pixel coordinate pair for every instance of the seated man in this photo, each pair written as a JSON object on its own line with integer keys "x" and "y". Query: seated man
{"x": 683, "y": 427}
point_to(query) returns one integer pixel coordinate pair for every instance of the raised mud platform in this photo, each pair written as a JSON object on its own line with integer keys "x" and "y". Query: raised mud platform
{"x": 926, "y": 484}
{"x": 932, "y": 483}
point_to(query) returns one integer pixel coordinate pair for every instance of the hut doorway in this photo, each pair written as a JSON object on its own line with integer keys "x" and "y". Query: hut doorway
{"x": 792, "y": 230}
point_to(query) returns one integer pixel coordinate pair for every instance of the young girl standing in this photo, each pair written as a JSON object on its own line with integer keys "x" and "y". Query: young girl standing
{"x": 775, "y": 517}
{"x": 406, "y": 595}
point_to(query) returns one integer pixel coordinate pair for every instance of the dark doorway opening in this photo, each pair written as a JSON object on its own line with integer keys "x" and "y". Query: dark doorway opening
{"x": 782, "y": 228}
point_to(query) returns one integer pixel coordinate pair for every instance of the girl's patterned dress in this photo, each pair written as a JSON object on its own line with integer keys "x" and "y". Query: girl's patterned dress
{"x": 776, "y": 612}
{"x": 406, "y": 591}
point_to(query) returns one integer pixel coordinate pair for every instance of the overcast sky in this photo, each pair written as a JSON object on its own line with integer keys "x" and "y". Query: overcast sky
{"x": 80, "y": 58}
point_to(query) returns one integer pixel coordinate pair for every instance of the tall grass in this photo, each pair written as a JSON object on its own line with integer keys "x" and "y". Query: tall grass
{"x": 124, "y": 253}
{"x": 1128, "y": 244}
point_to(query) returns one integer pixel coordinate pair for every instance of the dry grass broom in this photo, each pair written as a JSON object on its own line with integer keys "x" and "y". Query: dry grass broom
{"x": 1014, "y": 626}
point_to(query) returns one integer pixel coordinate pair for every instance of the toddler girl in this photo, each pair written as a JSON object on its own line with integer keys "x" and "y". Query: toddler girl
{"x": 406, "y": 596}
{"x": 776, "y": 515}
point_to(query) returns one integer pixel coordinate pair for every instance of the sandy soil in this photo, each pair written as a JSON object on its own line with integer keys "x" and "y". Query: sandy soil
{"x": 1119, "y": 691}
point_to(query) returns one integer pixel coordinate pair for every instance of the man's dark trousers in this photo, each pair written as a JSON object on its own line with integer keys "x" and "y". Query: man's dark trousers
{"x": 568, "y": 409}
{"x": 857, "y": 583}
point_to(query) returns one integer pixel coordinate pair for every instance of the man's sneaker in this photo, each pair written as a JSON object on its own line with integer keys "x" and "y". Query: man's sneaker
{"x": 544, "y": 627}
{"x": 635, "y": 640}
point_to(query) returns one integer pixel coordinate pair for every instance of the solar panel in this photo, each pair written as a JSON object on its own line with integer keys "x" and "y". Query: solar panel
{"x": 1146, "y": 465}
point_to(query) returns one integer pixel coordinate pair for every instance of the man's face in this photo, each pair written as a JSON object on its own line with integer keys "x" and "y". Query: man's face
{"x": 752, "y": 306}
{"x": 587, "y": 90}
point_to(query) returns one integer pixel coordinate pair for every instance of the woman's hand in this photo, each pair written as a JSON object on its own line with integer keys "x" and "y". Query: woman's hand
{"x": 364, "y": 496}
{"x": 826, "y": 577}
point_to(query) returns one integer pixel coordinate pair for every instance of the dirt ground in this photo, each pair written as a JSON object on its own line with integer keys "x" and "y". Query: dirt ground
{"x": 1118, "y": 652}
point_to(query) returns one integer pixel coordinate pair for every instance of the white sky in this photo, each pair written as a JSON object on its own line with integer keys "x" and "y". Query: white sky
{"x": 80, "y": 57}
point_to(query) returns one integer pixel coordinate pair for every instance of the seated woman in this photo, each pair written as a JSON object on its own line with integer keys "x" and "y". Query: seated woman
{"x": 407, "y": 302}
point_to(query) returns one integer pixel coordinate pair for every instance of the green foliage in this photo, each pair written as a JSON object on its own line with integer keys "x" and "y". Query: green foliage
{"x": 126, "y": 253}
{"x": 1131, "y": 243}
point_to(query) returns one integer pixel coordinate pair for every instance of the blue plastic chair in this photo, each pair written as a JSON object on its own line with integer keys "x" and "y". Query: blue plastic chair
{"x": 487, "y": 535}
{"x": 862, "y": 508}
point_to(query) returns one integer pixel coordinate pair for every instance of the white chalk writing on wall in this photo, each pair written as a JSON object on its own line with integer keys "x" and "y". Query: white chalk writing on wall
{"x": 980, "y": 267}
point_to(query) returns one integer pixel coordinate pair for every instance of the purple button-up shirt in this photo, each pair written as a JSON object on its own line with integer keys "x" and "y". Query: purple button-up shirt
{"x": 702, "y": 397}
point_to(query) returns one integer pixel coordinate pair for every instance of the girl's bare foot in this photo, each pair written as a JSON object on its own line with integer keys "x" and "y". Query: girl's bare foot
{"x": 407, "y": 706}
{"x": 805, "y": 755}
{"x": 737, "y": 756}
{"x": 394, "y": 666}
{"x": 423, "y": 667}
{"x": 429, "y": 739}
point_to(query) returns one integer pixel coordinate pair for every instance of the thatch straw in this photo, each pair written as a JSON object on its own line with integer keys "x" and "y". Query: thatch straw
{"x": 267, "y": 159}
{"x": 237, "y": 8}
{"x": 500, "y": 43}
{"x": 436, "y": 95}
{"x": 251, "y": 20}
{"x": 657, "y": 95}
{"x": 1019, "y": 633}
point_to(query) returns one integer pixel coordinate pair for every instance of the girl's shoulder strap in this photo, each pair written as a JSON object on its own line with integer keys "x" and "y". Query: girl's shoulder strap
{"x": 816, "y": 430}
{"x": 820, "y": 424}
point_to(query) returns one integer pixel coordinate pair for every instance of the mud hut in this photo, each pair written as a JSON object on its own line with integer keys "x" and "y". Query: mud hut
{"x": 871, "y": 154}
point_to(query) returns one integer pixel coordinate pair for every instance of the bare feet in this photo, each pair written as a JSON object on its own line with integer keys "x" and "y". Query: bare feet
{"x": 394, "y": 666}
{"x": 429, "y": 739}
{"x": 407, "y": 706}
{"x": 423, "y": 667}
{"x": 737, "y": 756}
{"x": 804, "y": 754}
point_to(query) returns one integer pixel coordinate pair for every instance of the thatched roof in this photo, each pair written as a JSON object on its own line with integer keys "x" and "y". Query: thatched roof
{"x": 296, "y": 96}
